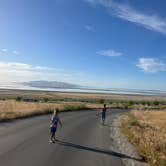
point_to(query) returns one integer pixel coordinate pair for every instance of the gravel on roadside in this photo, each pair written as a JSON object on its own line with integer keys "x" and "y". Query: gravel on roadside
{"x": 129, "y": 156}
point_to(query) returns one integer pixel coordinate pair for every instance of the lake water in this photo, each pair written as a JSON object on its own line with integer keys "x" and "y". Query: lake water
{"x": 106, "y": 91}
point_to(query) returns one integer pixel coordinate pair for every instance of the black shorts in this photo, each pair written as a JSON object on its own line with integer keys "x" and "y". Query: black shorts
{"x": 53, "y": 130}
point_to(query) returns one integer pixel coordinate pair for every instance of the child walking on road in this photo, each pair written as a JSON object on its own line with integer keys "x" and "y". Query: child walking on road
{"x": 54, "y": 124}
{"x": 103, "y": 113}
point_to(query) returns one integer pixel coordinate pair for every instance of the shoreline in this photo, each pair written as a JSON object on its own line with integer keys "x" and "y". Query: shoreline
{"x": 87, "y": 91}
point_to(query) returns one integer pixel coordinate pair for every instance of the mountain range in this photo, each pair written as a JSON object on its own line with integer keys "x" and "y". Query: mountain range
{"x": 51, "y": 84}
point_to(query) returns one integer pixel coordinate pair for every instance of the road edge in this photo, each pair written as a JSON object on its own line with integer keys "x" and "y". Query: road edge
{"x": 122, "y": 145}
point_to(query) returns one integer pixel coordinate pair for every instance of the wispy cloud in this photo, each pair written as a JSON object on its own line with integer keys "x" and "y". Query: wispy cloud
{"x": 21, "y": 66}
{"x": 110, "y": 53}
{"x": 89, "y": 28}
{"x": 21, "y": 72}
{"x": 5, "y": 51}
{"x": 151, "y": 65}
{"x": 126, "y": 12}
{"x": 15, "y": 52}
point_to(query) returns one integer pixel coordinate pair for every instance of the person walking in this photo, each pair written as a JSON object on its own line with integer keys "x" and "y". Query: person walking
{"x": 103, "y": 114}
{"x": 55, "y": 120}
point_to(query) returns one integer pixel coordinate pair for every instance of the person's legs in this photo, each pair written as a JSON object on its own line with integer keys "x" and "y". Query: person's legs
{"x": 103, "y": 116}
{"x": 53, "y": 130}
{"x": 52, "y": 134}
{"x": 103, "y": 120}
{"x": 54, "y": 137}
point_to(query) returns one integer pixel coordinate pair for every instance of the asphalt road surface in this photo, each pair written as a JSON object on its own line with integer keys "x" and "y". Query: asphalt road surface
{"x": 82, "y": 141}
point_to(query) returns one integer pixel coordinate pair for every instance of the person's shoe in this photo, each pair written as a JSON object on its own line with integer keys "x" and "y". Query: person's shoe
{"x": 51, "y": 141}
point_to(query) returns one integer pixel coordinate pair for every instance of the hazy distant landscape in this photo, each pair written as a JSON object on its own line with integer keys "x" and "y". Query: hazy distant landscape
{"x": 68, "y": 87}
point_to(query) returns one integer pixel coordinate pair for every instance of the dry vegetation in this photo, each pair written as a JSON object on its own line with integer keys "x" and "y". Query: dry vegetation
{"x": 11, "y": 109}
{"x": 11, "y": 94}
{"x": 147, "y": 131}
{"x": 31, "y": 102}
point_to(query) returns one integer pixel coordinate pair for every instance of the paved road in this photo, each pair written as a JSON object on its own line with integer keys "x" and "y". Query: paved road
{"x": 83, "y": 141}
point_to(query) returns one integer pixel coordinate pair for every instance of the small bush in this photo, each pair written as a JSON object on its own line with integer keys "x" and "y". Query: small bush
{"x": 45, "y": 99}
{"x": 143, "y": 102}
{"x": 156, "y": 102}
{"x": 101, "y": 101}
{"x": 133, "y": 120}
{"x": 18, "y": 98}
{"x": 130, "y": 103}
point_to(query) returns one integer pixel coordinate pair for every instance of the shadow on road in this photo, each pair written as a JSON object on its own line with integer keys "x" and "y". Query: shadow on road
{"x": 95, "y": 149}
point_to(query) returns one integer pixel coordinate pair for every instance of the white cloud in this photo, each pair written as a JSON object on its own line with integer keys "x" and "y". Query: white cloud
{"x": 42, "y": 68}
{"x": 20, "y": 66}
{"x": 22, "y": 72}
{"x": 89, "y": 28}
{"x": 126, "y": 12}
{"x": 4, "y": 50}
{"x": 151, "y": 65}
{"x": 15, "y": 52}
{"x": 110, "y": 53}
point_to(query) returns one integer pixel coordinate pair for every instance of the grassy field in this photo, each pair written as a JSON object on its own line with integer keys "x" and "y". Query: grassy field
{"x": 11, "y": 109}
{"x": 11, "y": 94}
{"x": 115, "y": 99}
{"x": 23, "y": 103}
{"x": 147, "y": 131}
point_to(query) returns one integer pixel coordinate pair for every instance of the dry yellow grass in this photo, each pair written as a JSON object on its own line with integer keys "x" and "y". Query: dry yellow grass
{"x": 152, "y": 118}
{"x": 11, "y": 109}
{"x": 147, "y": 131}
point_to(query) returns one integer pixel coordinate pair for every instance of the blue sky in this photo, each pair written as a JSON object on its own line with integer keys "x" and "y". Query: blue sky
{"x": 100, "y": 43}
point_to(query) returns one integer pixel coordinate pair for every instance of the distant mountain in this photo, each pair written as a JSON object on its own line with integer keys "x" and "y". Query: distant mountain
{"x": 51, "y": 84}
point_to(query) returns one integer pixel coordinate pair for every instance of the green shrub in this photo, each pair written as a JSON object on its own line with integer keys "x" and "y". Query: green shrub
{"x": 156, "y": 102}
{"x": 130, "y": 103}
{"x": 143, "y": 102}
{"x": 19, "y": 98}
{"x": 132, "y": 119}
{"x": 101, "y": 101}
{"x": 45, "y": 99}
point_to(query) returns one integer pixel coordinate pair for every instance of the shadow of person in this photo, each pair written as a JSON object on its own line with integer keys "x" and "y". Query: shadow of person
{"x": 96, "y": 150}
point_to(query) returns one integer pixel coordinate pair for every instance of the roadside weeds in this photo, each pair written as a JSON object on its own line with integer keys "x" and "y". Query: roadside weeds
{"x": 10, "y": 110}
{"x": 146, "y": 130}
{"x": 121, "y": 143}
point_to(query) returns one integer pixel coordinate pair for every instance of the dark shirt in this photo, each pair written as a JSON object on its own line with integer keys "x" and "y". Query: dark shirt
{"x": 104, "y": 110}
